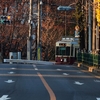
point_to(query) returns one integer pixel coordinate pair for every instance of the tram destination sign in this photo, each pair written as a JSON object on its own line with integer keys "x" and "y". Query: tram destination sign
{"x": 62, "y": 44}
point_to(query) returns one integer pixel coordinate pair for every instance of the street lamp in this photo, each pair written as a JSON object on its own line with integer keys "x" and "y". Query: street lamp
{"x": 65, "y": 8}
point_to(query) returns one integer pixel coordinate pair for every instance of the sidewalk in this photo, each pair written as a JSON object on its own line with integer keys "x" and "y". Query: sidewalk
{"x": 91, "y": 69}
{"x": 24, "y": 61}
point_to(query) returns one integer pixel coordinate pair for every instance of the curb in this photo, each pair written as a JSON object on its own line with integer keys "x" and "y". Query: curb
{"x": 91, "y": 69}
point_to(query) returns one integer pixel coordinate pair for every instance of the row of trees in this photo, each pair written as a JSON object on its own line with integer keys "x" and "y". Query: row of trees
{"x": 13, "y": 37}
{"x": 54, "y": 24}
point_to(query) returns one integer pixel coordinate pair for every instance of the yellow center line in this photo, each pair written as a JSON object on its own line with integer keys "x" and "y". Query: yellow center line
{"x": 51, "y": 93}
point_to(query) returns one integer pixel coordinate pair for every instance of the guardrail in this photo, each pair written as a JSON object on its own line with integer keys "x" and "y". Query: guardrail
{"x": 11, "y": 61}
{"x": 88, "y": 59}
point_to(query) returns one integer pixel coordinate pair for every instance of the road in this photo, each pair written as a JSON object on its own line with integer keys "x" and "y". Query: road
{"x": 47, "y": 82}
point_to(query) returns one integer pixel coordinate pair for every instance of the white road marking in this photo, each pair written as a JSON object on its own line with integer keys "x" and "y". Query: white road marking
{"x": 9, "y": 81}
{"x": 98, "y": 98}
{"x": 78, "y": 83}
{"x": 13, "y": 68}
{"x": 4, "y": 97}
{"x": 65, "y": 74}
{"x": 96, "y": 80}
{"x": 36, "y": 68}
{"x": 11, "y": 72}
{"x": 79, "y": 72}
{"x": 58, "y": 69}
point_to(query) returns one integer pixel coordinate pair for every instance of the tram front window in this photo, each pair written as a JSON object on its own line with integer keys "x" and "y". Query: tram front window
{"x": 63, "y": 51}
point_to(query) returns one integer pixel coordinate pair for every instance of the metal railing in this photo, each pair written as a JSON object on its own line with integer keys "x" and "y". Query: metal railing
{"x": 88, "y": 59}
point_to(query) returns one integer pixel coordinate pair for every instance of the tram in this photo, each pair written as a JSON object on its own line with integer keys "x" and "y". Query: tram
{"x": 65, "y": 50}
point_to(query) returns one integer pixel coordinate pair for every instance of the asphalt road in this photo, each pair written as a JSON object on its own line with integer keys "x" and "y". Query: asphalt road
{"x": 47, "y": 82}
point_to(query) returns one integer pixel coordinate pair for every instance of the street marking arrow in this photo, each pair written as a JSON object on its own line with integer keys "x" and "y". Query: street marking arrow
{"x": 4, "y": 97}
{"x": 36, "y": 69}
{"x": 58, "y": 69}
{"x": 78, "y": 83}
{"x": 11, "y": 72}
{"x": 34, "y": 65}
{"x": 65, "y": 74}
{"x": 9, "y": 81}
{"x": 98, "y": 98}
{"x": 96, "y": 80}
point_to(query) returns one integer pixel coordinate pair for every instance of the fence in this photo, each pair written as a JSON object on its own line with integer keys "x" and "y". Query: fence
{"x": 88, "y": 59}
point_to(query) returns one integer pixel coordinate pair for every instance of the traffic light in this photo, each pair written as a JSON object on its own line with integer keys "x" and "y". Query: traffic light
{"x": 5, "y": 19}
{"x": 2, "y": 19}
{"x": 8, "y": 19}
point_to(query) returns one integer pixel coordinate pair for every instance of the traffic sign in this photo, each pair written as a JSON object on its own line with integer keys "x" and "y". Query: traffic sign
{"x": 77, "y": 34}
{"x": 77, "y": 28}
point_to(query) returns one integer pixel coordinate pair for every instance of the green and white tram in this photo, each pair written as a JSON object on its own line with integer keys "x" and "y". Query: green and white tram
{"x": 65, "y": 50}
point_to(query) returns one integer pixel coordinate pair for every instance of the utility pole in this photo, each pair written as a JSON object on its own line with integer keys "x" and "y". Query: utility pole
{"x": 86, "y": 35}
{"x": 89, "y": 25}
{"x": 94, "y": 29}
{"x": 29, "y": 54}
{"x": 97, "y": 38}
{"x": 65, "y": 23}
{"x": 39, "y": 30}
